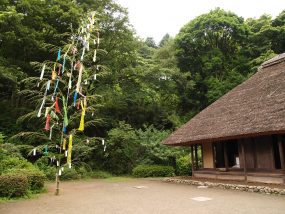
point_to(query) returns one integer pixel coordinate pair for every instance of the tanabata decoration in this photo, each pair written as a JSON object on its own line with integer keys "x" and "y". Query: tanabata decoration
{"x": 69, "y": 151}
{"x": 47, "y": 127}
{"x": 81, "y": 126}
{"x": 57, "y": 109}
{"x": 64, "y": 144}
{"x": 43, "y": 72}
{"x": 46, "y": 150}
{"x": 70, "y": 84}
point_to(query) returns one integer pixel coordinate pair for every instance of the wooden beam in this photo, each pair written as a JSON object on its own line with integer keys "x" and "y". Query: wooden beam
{"x": 244, "y": 159}
{"x": 226, "y": 156}
{"x": 282, "y": 158}
{"x": 196, "y": 157}
{"x": 192, "y": 160}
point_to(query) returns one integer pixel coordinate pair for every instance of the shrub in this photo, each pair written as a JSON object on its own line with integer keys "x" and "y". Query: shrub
{"x": 36, "y": 178}
{"x": 82, "y": 171}
{"x": 13, "y": 185}
{"x": 184, "y": 166}
{"x": 100, "y": 174}
{"x": 153, "y": 171}
{"x": 49, "y": 172}
{"x": 70, "y": 174}
{"x": 14, "y": 163}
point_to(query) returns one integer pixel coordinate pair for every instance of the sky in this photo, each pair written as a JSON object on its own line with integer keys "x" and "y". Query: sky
{"x": 155, "y": 18}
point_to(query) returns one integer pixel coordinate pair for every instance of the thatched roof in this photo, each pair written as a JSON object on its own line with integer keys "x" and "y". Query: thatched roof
{"x": 255, "y": 107}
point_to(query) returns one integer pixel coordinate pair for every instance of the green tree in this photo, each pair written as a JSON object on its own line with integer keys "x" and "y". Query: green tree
{"x": 210, "y": 47}
{"x": 123, "y": 149}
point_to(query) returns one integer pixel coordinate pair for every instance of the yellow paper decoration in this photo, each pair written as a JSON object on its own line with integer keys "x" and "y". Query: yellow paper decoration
{"x": 81, "y": 126}
{"x": 53, "y": 75}
{"x": 69, "y": 150}
{"x": 64, "y": 144}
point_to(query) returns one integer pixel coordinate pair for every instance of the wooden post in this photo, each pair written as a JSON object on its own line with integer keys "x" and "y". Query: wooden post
{"x": 226, "y": 156}
{"x": 282, "y": 158}
{"x": 214, "y": 155}
{"x": 202, "y": 155}
{"x": 254, "y": 153}
{"x": 57, "y": 184}
{"x": 196, "y": 157}
{"x": 192, "y": 161}
{"x": 244, "y": 160}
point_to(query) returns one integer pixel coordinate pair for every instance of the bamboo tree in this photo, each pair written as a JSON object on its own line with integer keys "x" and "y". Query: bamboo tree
{"x": 68, "y": 93}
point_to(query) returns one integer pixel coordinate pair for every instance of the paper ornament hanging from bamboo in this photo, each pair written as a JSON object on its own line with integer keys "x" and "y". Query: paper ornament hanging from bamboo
{"x": 64, "y": 144}
{"x": 47, "y": 127}
{"x": 57, "y": 109}
{"x": 81, "y": 126}
{"x": 46, "y": 150}
{"x": 43, "y": 72}
{"x": 69, "y": 151}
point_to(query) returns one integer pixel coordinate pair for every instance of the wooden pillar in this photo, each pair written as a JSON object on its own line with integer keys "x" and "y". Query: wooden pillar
{"x": 254, "y": 153}
{"x": 282, "y": 158}
{"x": 202, "y": 155}
{"x": 226, "y": 156}
{"x": 214, "y": 155}
{"x": 192, "y": 160}
{"x": 196, "y": 157}
{"x": 244, "y": 159}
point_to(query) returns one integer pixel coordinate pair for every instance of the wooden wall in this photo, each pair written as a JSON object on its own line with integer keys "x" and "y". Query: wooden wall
{"x": 259, "y": 153}
{"x": 208, "y": 155}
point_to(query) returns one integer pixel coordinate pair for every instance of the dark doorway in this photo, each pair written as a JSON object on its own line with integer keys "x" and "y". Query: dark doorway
{"x": 232, "y": 151}
{"x": 276, "y": 153}
{"x": 219, "y": 154}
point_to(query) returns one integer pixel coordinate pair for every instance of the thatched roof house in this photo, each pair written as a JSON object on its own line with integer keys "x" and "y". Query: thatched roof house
{"x": 253, "y": 113}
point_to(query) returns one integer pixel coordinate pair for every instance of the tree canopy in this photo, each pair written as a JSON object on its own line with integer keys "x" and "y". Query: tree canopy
{"x": 146, "y": 91}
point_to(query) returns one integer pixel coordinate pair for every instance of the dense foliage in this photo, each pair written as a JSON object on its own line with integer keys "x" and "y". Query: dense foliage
{"x": 143, "y": 171}
{"x": 13, "y": 185}
{"x": 146, "y": 91}
{"x": 18, "y": 177}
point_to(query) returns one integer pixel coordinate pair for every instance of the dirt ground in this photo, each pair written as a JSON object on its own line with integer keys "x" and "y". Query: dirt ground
{"x": 143, "y": 196}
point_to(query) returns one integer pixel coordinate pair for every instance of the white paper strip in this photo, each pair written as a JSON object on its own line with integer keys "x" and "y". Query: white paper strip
{"x": 48, "y": 85}
{"x": 43, "y": 71}
{"x": 94, "y": 56}
{"x": 50, "y": 131}
{"x": 83, "y": 52}
{"x": 69, "y": 83}
{"x": 42, "y": 105}
{"x": 79, "y": 78}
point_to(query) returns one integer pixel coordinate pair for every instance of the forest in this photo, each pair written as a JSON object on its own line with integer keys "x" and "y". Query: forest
{"x": 144, "y": 91}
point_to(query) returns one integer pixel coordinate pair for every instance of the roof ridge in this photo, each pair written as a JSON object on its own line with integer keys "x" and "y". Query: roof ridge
{"x": 275, "y": 60}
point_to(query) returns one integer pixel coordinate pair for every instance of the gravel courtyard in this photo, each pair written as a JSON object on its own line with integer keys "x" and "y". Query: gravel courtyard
{"x": 143, "y": 196}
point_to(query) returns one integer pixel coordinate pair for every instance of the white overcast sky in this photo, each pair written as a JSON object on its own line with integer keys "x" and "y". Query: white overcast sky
{"x": 155, "y": 18}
